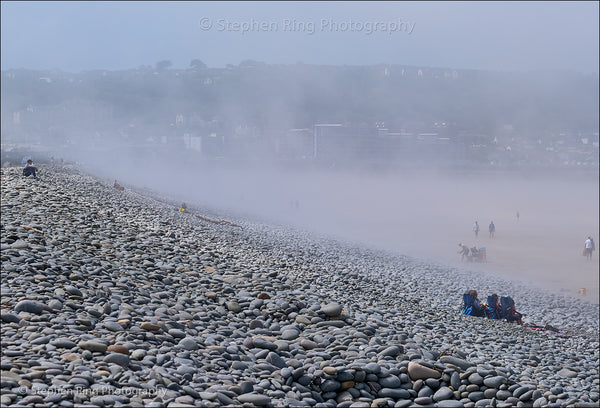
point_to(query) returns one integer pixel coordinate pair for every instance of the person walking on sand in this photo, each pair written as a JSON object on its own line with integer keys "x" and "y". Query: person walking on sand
{"x": 476, "y": 229}
{"x": 589, "y": 247}
{"x": 492, "y": 229}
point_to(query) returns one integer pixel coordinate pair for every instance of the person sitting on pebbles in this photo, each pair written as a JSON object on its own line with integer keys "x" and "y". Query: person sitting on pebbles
{"x": 118, "y": 186}
{"x": 30, "y": 169}
{"x": 473, "y": 306}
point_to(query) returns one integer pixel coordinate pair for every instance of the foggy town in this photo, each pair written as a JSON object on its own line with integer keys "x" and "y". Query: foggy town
{"x": 299, "y": 204}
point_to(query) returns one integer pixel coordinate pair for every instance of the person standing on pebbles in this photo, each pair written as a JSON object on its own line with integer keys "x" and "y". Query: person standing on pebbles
{"x": 30, "y": 169}
{"x": 476, "y": 229}
{"x": 492, "y": 229}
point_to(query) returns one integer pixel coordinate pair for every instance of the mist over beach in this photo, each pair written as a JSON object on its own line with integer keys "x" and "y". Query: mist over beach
{"x": 310, "y": 204}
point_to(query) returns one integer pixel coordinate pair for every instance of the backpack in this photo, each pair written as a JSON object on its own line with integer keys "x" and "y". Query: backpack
{"x": 470, "y": 307}
{"x": 509, "y": 312}
{"x": 493, "y": 311}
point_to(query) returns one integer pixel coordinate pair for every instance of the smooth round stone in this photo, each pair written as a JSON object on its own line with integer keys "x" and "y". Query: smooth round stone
{"x": 19, "y": 244}
{"x": 208, "y": 395}
{"x": 10, "y": 318}
{"x": 118, "y": 348}
{"x": 475, "y": 378}
{"x": 458, "y": 362}
{"x": 372, "y": 368}
{"x": 188, "y": 343}
{"x": 93, "y": 346}
{"x": 234, "y": 307}
{"x": 55, "y": 304}
{"x": 483, "y": 403}
{"x": 390, "y": 381}
{"x": 494, "y": 382}
{"x": 520, "y": 391}
{"x": 255, "y": 399}
{"x": 256, "y": 324}
{"x": 308, "y": 344}
{"x": 138, "y": 354}
{"x": 396, "y": 393}
{"x": 117, "y": 358}
{"x": 503, "y": 395}
{"x": 63, "y": 343}
{"x": 455, "y": 380}
{"x": 178, "y": 334}
{"x": 417, "y": 371}
{"x": 29, "y": 306}
{"x": 330, "y": 370}
{"x": 443, "y": 393}
{"x": 361, "y": 404}
{"x": 330, "y": 385}
{"x": 300, "y": 319}
{"x": 276, "y": 360}
{"x": 450, "y": 404}
{"x": 112, "y": 326}
{"x": 423, "y": 400}
{"x": 476, "y": 396}
{"x": 392, "y": 351}
{"x": 259, "y": 342}
{"x": 527, "y": 396}
{"x": 333, "y": 309}
{"x": 149, "y": 327}
{"x": 73, "y": 290}
{"x": 565, "y": 372}
{"x": 211, "y": 295}
{"x": 290, "y": 334}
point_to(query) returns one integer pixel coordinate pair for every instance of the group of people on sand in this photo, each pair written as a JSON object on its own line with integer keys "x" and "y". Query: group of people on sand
{"x": 471, "y": 254}
{"x": 495, "y": 307}
{"x": 491, "y": 229}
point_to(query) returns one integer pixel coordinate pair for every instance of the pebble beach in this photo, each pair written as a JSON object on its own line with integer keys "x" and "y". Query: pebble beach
{"x": 113, "y": 298}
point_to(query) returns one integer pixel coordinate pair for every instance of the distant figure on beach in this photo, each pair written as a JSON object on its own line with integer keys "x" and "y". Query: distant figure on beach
{"x": 492, "y": 229}
{"x": 474, "y": 253}
{"x": 464, "y": 251}
{"x": 518, "y": 216}
{"x": 590, "y": 247}
{"x": 183, "y": 207}
{"x": 476, "y": 229}
{"x": 30, "y": 169}
{"x": 118, "y": 186}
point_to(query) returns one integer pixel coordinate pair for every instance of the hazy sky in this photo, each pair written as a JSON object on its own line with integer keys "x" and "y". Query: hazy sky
{"x": 76, "y": 36}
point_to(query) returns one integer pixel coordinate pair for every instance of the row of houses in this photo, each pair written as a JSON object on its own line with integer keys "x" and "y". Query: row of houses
{"x": 336, "y": 143}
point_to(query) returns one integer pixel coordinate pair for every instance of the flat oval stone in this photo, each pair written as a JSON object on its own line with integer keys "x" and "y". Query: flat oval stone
{"x": 333, "y": 309}
{"x": 494, "y": 382}
{"x": 118, "y": 348}
{"x": 443, "y": 393}
{"x": 396, "y": 393}
{"x": 149, "y": 327}
{"x": 117, "y": 358}
{"x": 255, "y": 399}
{"x": 92, "y": 346}
{"x": 29, "y": 306}
{"x": 417, "y": 371}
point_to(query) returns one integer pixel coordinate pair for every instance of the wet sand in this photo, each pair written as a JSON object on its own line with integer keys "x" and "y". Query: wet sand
{"x": 428, "y": 217}
{"x": 424, "y": 214}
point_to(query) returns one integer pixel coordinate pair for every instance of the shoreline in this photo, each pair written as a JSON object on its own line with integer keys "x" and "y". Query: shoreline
{"x": 275, "y": 298}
